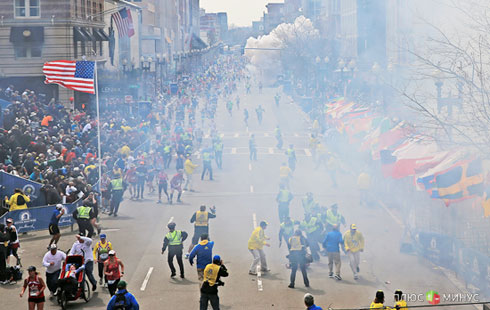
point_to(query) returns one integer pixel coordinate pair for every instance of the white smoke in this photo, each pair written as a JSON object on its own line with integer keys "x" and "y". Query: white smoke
{"x": 286, "y": 36}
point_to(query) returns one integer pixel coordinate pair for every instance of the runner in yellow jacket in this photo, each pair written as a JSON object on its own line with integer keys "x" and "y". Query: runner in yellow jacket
{"x": 255, "y": 245}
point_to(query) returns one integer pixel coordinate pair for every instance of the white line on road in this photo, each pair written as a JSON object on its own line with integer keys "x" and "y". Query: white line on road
{"x": 236, "y": 135}
{"x": 250, "y": 167}
{"x": 233, "y": 150}
{"x": 171, "y": 220}
{"x": 251, "y": 188}
{"x": 254, "y": 216}
{"x": 147, "y": 278}
{"x": 296, "y": 135}
{"x": 307, "y": 152}
{"x": 271, "y": 150}
{"x": 206, "y": 136}
{"x": 266, "y": 134}
{"x": 397, "y": 220}
{"x": 247, "y": 128}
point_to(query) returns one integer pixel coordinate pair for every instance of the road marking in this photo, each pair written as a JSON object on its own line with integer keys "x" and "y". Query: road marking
{"x": 171, "y": 220}
{"x": 206, "y": 136}
{"x": 397, "y": 220}
{"x": 254, "y": 216}
{"x": 247, "y": 128}
{"x": 147, "y": 278}
{"x": 251, "y": 188}
{"x": 307, "y": 152}
{"x": 296, "y": 135}
{"x": 250, "y": 167}
{"x": 266, "y": 134}
{"x": 271, "y": 150}
{"x": 233, "y": 150}
{"x": 111, "y": 229}
{"x": 236, "y": 135}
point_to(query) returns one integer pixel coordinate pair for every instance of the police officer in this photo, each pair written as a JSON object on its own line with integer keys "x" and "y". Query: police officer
{"x": 313, "y": 228}
{"x": 167, "y": 155}
{"x": 209, "y": 289}
{"x": 83, "y": 214}
{"x": 308, "y": 203}
{"x": 283, "y": 199}
{"x": 286, "y": 231}
{"x": 218, "y": 153}
{"x": 206, "y": 163}
{"x": 201, "y": 224}
{"x": 297, "y": 257}
{"x": 278, "y": 134}
{"x": 333, "y": 217}
{"x": 291, "y": 157}
{"x": 252, "y": 146}
{"x": 174, "y": 240}
{"x": 116, "y": 188}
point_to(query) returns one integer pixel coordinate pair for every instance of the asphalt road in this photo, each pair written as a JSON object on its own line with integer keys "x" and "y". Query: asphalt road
{"x": 244, "y": 191}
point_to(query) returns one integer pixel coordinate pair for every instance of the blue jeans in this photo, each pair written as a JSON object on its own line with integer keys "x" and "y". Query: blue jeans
{"x": 89, "y": 272}
{"x": 52, "y": 280}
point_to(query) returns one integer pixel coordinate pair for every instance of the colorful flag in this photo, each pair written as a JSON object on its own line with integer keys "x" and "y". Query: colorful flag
{"x": 75, "y": 75}
{"x": 124, "y": 22}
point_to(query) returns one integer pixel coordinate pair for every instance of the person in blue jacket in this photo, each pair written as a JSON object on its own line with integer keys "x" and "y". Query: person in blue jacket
{"x": 204, "y": 253}
{"x": 123, "y": 299}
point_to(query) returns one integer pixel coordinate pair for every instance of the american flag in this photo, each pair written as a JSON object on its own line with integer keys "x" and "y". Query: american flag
{"x": 76, "y": 75}
{"x": 124, "y": 22}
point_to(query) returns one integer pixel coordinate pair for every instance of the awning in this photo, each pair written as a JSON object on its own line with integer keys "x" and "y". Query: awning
{"x": 197, "y": 43}
{"x": 26, "y": 35}
{"x": 169, "y": 41}
{"x": 100, "y": 35}
{"x": 78, "y": 35}
{"x": 87, "y": 34}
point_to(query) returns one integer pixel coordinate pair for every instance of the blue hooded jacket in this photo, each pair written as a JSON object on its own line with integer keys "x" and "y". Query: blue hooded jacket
{"x": 204, "y": 252}
{"x": 130, "y": 301}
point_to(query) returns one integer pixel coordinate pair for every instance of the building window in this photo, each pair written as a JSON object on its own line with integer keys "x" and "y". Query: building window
{"x": 76, "y": 8}
{"x": 27, "y": 8}
{"x": 28, "y": 51}
{"x": 83, "y": 14}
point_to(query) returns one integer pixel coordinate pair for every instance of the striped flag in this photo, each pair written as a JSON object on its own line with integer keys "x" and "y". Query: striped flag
{"x": 76, "y": 75}
{"x": 124, "y": 22}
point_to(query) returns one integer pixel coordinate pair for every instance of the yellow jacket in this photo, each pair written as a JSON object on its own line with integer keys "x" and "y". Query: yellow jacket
{"x": 12, "y": 202}
{"x": 377, "y": 306}
{"x": 402, "y": 304}
{"x": 284, "y": 171}
{"x": 355, "y": 242}
{"x": 125, "y": 150}
{"x": 189, "y": 166}
{"x": 257, "y": 240}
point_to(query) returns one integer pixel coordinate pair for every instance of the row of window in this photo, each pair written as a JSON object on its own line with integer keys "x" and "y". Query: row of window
{"x": 80, "y": 48}
{"x": 32, "y": 9}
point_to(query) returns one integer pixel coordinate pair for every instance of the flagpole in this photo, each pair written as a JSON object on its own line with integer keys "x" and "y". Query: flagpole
{"x": 99, "y": 155}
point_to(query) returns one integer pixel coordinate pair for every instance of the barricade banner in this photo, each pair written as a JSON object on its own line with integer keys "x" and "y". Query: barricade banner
{"x": 38, "y": 218}
{"x": 10, "y": 182}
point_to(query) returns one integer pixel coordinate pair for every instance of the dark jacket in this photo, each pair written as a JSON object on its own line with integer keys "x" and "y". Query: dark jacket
{"x": 207, "y": 289}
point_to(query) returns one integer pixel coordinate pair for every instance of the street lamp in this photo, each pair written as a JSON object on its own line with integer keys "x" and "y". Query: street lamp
{"x": 145, "y": 67}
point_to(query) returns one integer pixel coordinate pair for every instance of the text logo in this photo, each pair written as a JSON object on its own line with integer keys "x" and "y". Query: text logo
{"x": 433, "y": 297}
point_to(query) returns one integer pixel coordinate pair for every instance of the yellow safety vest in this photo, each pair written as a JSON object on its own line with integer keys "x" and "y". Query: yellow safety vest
{"x": 284, "y": 195}
{"x": 175, "y": 237}
{"x": 117, "y": 184}
{"x": 211, "y": 273}
{"x": 311, "y": 225}
{"x": 295, "y": 243}
{"x": 206, "y": 156}
{"x": 290, "y": 152}
{"x": 201, "y": 218}
{"x": 401, "y": 303}
{"x": 333, "y": 219}
{"x": 287, "y": 229}
{"x": 84, "y": 212}
{"x": 308, "y": 204}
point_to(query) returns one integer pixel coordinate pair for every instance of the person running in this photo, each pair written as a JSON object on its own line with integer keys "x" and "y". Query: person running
{"x": 201, "y": 224}
{"x": 131, "y": 178}
{"x": 245, "y": 116}
{"x": 83, "y": 246}
{"x": 141, "y": 174}
{"x": 308, "y": 203}
{"x": 123, "y": 299}
{"x": 333, "y": 217}
{"x": 260, "y": 112}
{"x": 36, "y": 287}
{"x": 174, "y": 240}
{"x": 313, "y": 228}
{"x": 297, "y": 245}
{"x": 277, "y": 99}
{"x": 189, "y": 168}
{"x": 53, "y": 228}
{"x": 116, "y": 187}
{"x": 379, "y": 300}
{"x": 354, "y": 245}
{"x": 332, "y": 243}
{"x": 283, "y": 200}
{"x": 83, "y": 214}
{"x": 278, "y": 135}
{"x": 14, "y": 243}
{"x": 291, "y": 157}
{"x": 162, "y": 185}
{"x": 229, "y": 107}
{"x": 53, "y": 260}
{"x": 113, "y": 271}
{"x": 209, "y": 289}
{"x": 218, "y": 153}
{"x": 285, "y": 174}
{"x": 101, "y": 254}
{"x": 286, "y": 231}
{"x": 256, "y": 245}
{"x": 204, "y": 252}
{"x": 176, "y": 185}
{"x": 260, "y": 87}
{"x": 207, "y": 166}
{"x": 252, "y": 146}
{"x": 237, "y": 102}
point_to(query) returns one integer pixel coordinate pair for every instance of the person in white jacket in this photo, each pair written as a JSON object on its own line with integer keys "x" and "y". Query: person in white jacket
{"x": 83, "y": 246}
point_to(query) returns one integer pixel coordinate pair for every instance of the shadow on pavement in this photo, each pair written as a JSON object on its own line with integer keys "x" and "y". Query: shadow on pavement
{"x": 182, "y": 281}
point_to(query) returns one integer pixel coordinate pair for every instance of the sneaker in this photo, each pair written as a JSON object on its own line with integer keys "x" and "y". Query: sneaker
{"x": 356, "y": 277}
{"x": 100, "y": 282}
{"x": 307, "y": 285}
{"x": 187, "y": 256}
{"x": 338, "y": 277}
{"x": 252, "y": 273}
{"x": 358, "y": 270}
{"x": 99, "y": 230}
{"x": 179, "y": 201}
{"x": 105, "y": 285}
{"x": 159, "y": 201}
{"x": 330, "y": 275}
{"x": 173, "y": 275}
{"x": 94, "y": 287}
{"x": 265, "y": 270}
{"x": 291, "y": 285}
{"x": 182, "y": 276}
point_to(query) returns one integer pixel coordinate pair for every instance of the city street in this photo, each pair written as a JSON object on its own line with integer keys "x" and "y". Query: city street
{"x": 244, "y": 194}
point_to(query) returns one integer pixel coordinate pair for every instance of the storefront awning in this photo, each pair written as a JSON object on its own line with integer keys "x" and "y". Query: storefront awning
{"x": 100, "y": 35}
{"x": 87, "y": 34}
{"x": 27, "y": 35}
{"x": 78, "y": 35}
{"x": 197, "y": 43}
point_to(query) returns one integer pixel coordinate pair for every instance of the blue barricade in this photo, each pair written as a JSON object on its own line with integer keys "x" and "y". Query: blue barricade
{"x": 38, "y": 218}
{"x": 10, "y": 182}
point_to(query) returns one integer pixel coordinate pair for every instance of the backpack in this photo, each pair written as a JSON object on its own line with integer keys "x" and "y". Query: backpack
{"x": 21, "y": 200}
{"x": 120, "y": 302}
